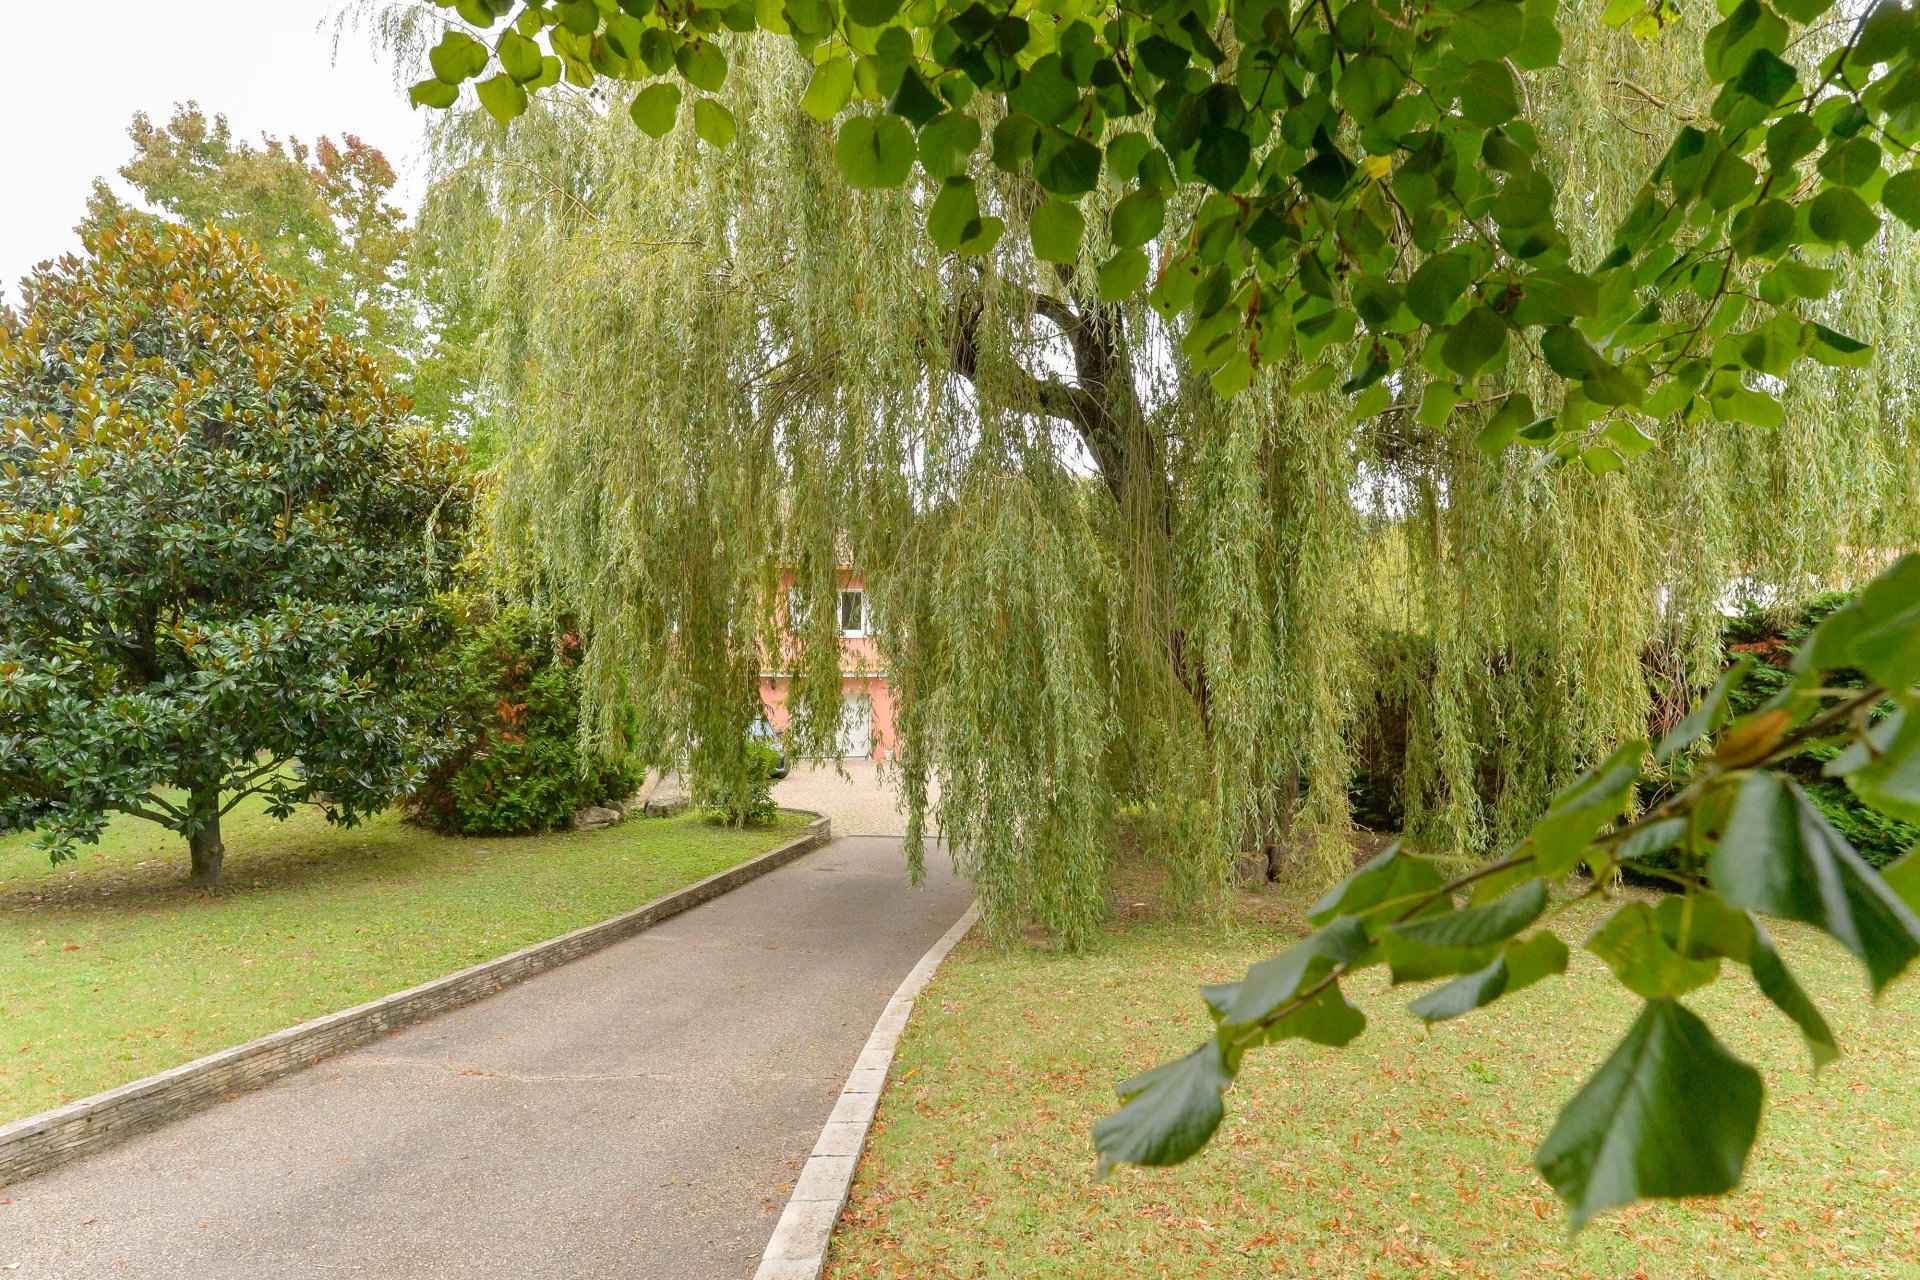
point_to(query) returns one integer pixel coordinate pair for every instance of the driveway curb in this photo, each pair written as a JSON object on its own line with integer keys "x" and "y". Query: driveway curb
{"x": 798, "y": 1249}
{"x": 41, "y": 1142}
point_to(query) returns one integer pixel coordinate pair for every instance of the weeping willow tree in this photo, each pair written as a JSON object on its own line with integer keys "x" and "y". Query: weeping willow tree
{"x": 1097, "y": 583}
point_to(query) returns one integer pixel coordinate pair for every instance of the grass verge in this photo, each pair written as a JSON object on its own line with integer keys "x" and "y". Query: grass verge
{"x": 1407, "y": 1154}
{"x": 112, "y": 969}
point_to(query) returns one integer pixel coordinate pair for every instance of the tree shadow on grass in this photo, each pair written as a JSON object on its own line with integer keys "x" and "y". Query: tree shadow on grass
{"x": 282, "y": 862}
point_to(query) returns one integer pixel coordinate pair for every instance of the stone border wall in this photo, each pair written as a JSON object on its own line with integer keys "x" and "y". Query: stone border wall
{"x": 798, "y": 1249}
{"x": 41, "y": 1142}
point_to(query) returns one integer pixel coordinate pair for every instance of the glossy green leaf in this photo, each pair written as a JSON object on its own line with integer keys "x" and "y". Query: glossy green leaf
{"x": 1670, "y": 1113}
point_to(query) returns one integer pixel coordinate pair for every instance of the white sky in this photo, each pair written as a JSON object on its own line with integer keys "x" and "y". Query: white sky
{"x": 266, "y": 64}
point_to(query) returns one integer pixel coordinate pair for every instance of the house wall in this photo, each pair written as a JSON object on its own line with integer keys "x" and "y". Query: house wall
{"x": 863, "y": 675}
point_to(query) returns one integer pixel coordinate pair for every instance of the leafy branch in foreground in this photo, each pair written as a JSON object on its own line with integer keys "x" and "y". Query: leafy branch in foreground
{"x": 1354, "y": 187}
{"x": 1671, "y": 1112}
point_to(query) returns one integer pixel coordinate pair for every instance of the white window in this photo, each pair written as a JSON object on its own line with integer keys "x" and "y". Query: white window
{"x": 853, "y": 613}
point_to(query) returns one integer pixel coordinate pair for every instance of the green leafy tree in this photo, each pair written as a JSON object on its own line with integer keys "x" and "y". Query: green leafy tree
{"x": 221, "y": 543}
{"x": 1098, "y": 582}
{"x": 1393, "y": 209}
{"x": 323, "y": 215}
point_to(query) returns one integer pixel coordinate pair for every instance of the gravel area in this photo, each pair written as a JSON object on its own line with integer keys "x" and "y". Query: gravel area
{"x": 863, "y": 802}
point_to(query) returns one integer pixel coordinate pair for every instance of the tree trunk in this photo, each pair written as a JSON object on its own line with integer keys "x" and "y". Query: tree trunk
{"x": 205, "y": 845}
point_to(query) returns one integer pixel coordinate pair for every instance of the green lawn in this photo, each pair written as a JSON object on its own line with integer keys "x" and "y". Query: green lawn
{"x": 1405, "y": 1155}
{"x": 111, "y": 968}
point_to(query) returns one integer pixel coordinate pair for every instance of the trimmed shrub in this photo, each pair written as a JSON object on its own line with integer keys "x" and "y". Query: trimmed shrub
{"x": 515, "y": 686}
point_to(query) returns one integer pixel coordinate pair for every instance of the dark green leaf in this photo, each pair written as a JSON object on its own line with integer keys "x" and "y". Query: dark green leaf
{"x": 955, "y": 215}
{"x": 1460, "y": 941}
{"x": 1670, "y": 1113}
{"x": 1437, "y": 288}
{"x": 1840, "y": 216}
{"x": 1520, "y": 964}
{"x": 1778, "y": 854}
{"x": 1633, "y": 946}
{"x": 1901, "y": 196}
{"x": 1470, "y": 344}
{"x": 1137, "y": 219}
{"x": 1393, "y": 879}
{"x": 1488, "y": 95}
{"x": 1055, "y": 228}
{"x": 1170, "y": 1112}
{"x": 874, "y": 151}
{"x": 1066, "y": 165}
{"x": 1888, "y": 778}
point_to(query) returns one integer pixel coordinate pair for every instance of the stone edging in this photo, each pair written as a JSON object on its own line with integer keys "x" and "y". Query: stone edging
{"x": 41, "y": 1142}
{"x": 798, "y": 1249}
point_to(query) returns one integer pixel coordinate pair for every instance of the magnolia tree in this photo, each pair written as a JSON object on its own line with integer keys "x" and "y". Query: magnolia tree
{"x": 1356, "y": 218}
{"x": 220, "y": 546}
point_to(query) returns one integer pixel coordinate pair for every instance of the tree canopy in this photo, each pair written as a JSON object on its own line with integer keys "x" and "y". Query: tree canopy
{"x": 221, "y": 542}
{"x": 323, "y": 216}
{"x": 1195, "y": 376}
{"x": 1099, "y": 581}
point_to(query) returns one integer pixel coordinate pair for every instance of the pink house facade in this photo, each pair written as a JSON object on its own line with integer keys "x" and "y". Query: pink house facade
{"x": 866, "y": 694}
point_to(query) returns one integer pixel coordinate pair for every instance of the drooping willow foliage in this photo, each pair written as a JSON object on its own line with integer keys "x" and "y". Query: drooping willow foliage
{"x": 1097, "y": 585}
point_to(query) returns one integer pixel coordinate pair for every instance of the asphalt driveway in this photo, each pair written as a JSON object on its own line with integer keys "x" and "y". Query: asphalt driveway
{"x": 639, "y": 1113}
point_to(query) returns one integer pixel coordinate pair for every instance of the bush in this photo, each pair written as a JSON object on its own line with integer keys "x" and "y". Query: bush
{"x": 515, "y": 686}
{"x": 1771, "y": 639}
{"x": 738, "y": 792}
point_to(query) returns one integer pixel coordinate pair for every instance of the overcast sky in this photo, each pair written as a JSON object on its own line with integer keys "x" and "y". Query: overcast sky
{"x": 80, "y": 72}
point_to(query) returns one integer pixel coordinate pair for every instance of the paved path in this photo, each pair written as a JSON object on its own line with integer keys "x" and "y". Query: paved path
{"x": 863, "y": 802}
{"x": 639, "y": 1114}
